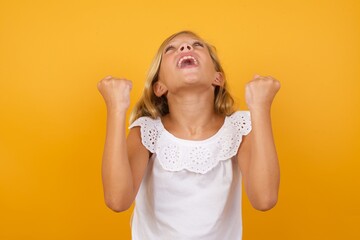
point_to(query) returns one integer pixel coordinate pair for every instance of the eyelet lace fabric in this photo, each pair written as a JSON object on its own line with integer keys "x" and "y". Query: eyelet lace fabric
{"x": 175, "y": 154}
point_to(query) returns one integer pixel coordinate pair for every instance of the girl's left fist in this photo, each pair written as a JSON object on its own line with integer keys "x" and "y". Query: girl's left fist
{"x": 260, "y": 92}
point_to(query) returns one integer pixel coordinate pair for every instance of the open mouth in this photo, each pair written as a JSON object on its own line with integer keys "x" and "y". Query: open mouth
{"x": 187, "y": 61}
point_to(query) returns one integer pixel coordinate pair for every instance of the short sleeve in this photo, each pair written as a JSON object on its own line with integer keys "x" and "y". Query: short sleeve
{"x": 241, "y": 121}
{"x": 149, "y": 132}
{"x": 238, "y": 125}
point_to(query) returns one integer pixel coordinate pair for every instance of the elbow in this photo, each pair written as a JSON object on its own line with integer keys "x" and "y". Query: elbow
{"x": 266, "y": 204}
{"x": 117, "y": 206}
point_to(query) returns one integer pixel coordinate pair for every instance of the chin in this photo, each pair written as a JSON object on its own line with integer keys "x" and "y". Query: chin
{"x": 190, "y": 78}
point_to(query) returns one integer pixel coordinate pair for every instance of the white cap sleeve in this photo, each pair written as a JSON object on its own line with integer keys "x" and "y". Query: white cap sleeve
{"x": 239, "y": 125}
{"x": 241, "y": 120}
{"x": 148, "y": 130}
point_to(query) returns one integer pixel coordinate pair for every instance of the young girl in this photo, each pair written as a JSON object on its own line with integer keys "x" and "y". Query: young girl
{"x": 188, "y": 150}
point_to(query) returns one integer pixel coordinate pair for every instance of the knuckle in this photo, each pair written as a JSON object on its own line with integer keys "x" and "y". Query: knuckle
{"x": 105, "y": 78}
{"x": 278, "y": 84}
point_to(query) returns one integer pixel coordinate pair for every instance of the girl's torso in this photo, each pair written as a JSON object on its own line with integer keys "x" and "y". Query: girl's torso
{"x": 191, "y": 188}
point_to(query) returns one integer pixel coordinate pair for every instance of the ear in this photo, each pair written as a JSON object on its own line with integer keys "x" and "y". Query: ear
{"x": 159, "y": 89}
{"x": 219, "y": 79}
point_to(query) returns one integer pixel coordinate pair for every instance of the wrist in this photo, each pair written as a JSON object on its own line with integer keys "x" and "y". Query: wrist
{"x": 260, "y": 109}
{"x": 117, "y": 111}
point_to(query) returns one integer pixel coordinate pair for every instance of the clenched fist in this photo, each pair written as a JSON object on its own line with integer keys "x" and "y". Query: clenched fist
{"x": 116, "y": 93}
{"x": 260, "y": 92}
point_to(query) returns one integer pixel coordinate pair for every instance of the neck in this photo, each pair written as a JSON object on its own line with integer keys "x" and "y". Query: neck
{"x": 192, "y": 112}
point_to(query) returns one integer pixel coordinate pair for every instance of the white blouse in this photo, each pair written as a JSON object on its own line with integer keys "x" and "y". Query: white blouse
{"x": 191, "y": 189}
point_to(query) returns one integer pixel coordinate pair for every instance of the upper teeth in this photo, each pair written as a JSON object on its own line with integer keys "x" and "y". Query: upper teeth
{"x": 186, "y": 57}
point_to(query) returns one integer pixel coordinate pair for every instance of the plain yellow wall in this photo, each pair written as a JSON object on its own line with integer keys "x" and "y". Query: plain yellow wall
{"x": 52, "y": 122}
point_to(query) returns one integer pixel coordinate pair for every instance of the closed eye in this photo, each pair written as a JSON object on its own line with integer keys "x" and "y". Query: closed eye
{"x": 197, "y": 43}
{"x": 168, "y": 48}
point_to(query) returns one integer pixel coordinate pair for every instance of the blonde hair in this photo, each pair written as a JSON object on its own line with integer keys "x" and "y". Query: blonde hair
{"x": 152, "y": 106}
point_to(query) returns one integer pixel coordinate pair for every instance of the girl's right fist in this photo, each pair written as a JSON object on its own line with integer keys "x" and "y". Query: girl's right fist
{"x": 116, "y": 92}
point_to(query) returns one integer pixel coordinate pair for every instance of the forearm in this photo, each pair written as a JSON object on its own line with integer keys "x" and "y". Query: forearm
{"x": 116, "y": 171}
{"x": 264, "y": 172}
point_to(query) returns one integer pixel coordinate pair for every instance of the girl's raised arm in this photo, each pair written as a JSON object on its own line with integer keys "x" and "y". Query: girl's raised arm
{"x": 258, "y": 160}
{"x": 124, "y": 161}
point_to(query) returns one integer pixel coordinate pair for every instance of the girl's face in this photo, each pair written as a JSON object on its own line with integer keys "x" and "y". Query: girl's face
{"x": 186, "y": 62}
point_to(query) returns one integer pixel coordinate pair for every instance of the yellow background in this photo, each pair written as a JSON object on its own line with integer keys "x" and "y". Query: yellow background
{"x": 52, "y": 122}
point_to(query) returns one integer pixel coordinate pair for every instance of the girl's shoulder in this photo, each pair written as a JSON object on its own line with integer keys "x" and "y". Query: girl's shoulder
{"x": 149, "y": 129}
{"x": 240, "y": 121}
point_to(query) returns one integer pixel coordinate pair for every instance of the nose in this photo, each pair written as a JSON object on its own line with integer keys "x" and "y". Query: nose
{"x": 185, "y": 47}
